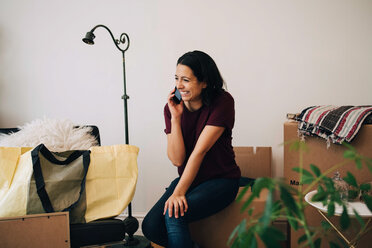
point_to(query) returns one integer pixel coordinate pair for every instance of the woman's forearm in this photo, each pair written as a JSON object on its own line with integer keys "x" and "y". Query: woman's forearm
{"x": 176, "y": 146}
{"x": 190, "y": 172}
{"x": 207, "y": 139}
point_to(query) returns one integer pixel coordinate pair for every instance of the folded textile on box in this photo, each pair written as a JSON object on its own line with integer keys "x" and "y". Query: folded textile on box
{"x": 333, "y": 123}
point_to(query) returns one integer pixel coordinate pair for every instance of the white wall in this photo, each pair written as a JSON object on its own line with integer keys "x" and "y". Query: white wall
{"x": 276, "y": 57}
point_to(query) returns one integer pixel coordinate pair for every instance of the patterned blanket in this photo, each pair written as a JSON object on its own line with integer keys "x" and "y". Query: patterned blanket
{"x": 336, "y": 124}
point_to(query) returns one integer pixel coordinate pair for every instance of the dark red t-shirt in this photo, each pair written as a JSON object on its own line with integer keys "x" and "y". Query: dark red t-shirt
{"x": 219, "y": 162}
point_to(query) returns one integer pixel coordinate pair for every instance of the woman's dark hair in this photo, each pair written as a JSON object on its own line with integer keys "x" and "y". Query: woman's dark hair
{"x": 205, "y": 70}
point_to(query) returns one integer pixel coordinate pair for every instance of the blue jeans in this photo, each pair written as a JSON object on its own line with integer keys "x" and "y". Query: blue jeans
{"x": 203, "y": 200}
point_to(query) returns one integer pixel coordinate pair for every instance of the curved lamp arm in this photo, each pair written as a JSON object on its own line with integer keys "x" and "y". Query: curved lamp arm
{"x": 89, "y": 37}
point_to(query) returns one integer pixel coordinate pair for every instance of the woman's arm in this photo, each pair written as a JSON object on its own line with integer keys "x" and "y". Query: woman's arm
{"x": 177, "y": 201}
{"x": 175, "y": 144}
{"x": 176, "y": 147}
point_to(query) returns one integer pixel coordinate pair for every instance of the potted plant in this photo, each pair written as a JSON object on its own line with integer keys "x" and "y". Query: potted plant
{"x": 291, "y": 204}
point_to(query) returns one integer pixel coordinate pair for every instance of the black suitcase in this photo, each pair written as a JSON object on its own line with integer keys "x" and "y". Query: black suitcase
{"x": 97, "y": 232}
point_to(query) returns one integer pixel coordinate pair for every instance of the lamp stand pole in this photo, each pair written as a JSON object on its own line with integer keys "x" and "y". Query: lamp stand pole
{"x": 131, "y": 223}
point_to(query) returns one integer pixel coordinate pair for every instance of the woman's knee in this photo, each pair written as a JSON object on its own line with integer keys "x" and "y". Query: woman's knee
{"x": 154, "y": 231}
{"x": 146, "y": 227}
{"x": 150, "y": 228}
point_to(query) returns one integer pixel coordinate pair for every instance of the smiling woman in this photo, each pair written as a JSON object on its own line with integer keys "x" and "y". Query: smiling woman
{"x": 198, "y": 130}
{"x": 189, "y": 87}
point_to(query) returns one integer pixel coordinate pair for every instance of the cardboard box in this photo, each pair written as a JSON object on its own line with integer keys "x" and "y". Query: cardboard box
{"x": 323, "y": 157}
{"x": 39, "y": 230}
{"x": 214, "y": 231}
{"x": 252, "y": 162}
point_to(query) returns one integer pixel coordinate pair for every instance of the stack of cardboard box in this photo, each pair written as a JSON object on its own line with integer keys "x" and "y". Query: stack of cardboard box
{"x": 323, "y": 157}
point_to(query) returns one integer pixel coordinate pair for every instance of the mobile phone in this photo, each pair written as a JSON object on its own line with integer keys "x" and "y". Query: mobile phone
{"x": 177, "y": 96}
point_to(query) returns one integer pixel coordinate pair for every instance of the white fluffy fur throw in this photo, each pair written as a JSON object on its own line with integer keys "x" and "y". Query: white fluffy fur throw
{"x": 56, "y": 135}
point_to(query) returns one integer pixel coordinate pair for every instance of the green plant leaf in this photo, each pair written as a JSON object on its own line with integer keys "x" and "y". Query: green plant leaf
{"x": 368, "y": 201}
{"x": 365, "y": 186}
{"x": 350, "y": 179}
{"x": 358, "y": 162}
{"x": 242, "y": 227}
{"x": 320, "y": 188}
{"x": 315, "y": 169}
{"x": 319, "y": 196}
{"x": 298, "y": 145}
{"x": 329, "y": 184}
{"x": 242, "y": 193}
{"x": 317, "y": 242}
{"x": 325, "y": 225}
{"x": 369, "y": 167}
{"x": 236, "y": 230}
{"x": 368, "y": 162}
{"x": 261, "y": 183}
{"x": 248, "y": 202}
{"x": 277, "y": 209}
{"x": 271, "y": 237}
{"x": 250, "y": 211}
{"x": 359, "y": 219}
{"x": 352, "y": 194}
{"x": 304, "y": 171}
{"x": 235, "y": 244}
{"x": 246, "y": 239}
{"x": 333, "y": 245}
{"x": 307, "y": 177}
{"x": 253, "y": 243}
{"x": 266, "y": 218}
{"x": 344, "y": 220}
{"x": 288, "y": 200}
{"x": 292, "y": 222}
{"x": 331, "y": 208}
{"x": 307, "y": 180}
{"x": 302, "y": 239}
{"x": 349, "y": 154}
{"x": 294, "y": 145}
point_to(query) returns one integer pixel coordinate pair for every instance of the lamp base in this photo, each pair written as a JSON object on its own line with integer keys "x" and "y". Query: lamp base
{"x": 137, "y": 242}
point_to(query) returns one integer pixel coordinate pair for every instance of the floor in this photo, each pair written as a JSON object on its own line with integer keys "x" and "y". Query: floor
{"x": 143, "y": 243}
{"x": 156, "y": 246}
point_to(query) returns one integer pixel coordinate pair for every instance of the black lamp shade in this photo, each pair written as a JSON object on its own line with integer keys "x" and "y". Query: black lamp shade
{"x": 89, "y": 37}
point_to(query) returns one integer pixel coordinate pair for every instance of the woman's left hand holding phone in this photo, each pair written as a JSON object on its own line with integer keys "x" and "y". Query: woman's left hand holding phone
{"x": 175, "y": 109}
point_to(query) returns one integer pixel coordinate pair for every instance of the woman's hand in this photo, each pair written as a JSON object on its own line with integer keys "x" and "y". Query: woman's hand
{"x": 176, "y": 204}
{"x": 174, "y": 108}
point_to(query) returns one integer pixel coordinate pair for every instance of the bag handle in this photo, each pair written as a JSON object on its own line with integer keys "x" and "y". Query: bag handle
{"x": 39, "y": 179}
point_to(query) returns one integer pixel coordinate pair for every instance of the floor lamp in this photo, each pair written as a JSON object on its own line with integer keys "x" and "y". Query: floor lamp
{"x": 131, "y": 223}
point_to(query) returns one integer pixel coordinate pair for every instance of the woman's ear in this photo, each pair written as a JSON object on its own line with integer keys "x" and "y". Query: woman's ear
{"x": 204, "y": 85}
